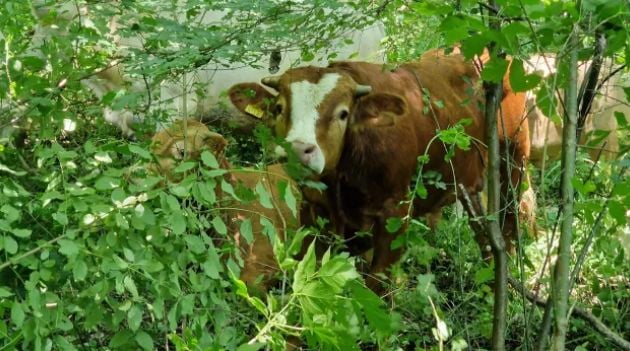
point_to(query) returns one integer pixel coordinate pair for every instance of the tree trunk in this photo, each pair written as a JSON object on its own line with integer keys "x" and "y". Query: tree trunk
{"x": 560, "y": 283}
{"x": 493, "y": 98}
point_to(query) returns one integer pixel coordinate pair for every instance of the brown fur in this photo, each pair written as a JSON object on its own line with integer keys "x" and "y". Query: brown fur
{"x": 370, "y": 165}
{"x": 259, "y": 259}
{"x": 514, "y": 135}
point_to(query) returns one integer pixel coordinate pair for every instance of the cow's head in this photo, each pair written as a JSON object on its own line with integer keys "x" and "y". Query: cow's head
{"x": 311, "y": 111}
{"x": 183, "y": 141}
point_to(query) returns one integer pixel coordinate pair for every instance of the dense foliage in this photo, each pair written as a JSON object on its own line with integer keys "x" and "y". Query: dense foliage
{"x": 98, "y": 253}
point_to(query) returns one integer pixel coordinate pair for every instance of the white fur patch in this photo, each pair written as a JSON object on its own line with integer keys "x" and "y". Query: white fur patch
{"x": 306, "y": 98}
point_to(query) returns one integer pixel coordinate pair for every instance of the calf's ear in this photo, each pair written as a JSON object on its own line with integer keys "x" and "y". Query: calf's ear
{"x": 215, "y": 142}
{"x": 379, "y": 110}
{"x": 252, "y": 99}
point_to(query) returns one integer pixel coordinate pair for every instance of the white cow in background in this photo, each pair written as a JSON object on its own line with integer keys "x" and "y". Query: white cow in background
{"x": 546, "y": 136}
{"x": 200, "y": 92}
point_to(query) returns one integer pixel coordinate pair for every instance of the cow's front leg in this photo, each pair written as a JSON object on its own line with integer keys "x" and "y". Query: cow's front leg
{"x": 384, "y": 256}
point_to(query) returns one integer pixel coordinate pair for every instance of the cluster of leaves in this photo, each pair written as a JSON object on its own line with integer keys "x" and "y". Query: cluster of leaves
{"x": 99, "y": 255}
{"x": 92, "y": 248}
{"x": 530, "y": 27}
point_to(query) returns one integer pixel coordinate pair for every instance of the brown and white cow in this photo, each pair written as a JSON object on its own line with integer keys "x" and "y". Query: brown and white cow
{"x": 185, "y": 140}
{"x": 361, "y": 128}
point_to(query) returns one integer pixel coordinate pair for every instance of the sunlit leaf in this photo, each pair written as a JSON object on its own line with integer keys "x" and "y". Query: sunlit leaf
{"x": 209, "y": 160}
{"x": 144, "y": 340}
{"x": 246, "y": 230}
{"x": 263, "y": 195}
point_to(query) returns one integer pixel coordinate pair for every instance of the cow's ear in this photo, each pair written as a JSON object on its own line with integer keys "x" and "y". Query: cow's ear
{"x": 379, "y": 110}
{"x": 252, "y": 99}
{"x": 215, "y": 142}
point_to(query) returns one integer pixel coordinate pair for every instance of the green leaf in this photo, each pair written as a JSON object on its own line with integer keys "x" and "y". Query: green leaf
{"x": 521, "y": 81}
{"x": 180, "y": 191}
{"x": 134, "y": 317}
{"x": 11, "y": 214}
{"x": 546, "y": 99}
{"x": 5, "y": 168}
{"x": 212, "y": 266}
{"x": 121, "y": 338}
{"x": 68, "y": 247}
{"x": 4, "y": 226}
{"x": 263, "y": 195}
{"x": 144, "y": 340}
{"x": 209, "y": 160}
{"x": 106, "y": 183}
{"x": 421, "y": 191}
{"x": 178, "y": 223}
{"x": 337, "y": 272}
{"x": 173, "y": 203}
{"x": 305, "y": 269}
{"x": 454, "y": 29}
{"x": 373, "y": 308}
{"x": 22, "y": 233}
{"x": 618, "y": 212}
{"x": 185, "y": 167}
{"x": 473, "y": 45}
{"x": 246, "y": 230}
{"x": 307, "y": 56}
{"x": 251, "y": 347}
{"x": 79, "y": 271}
{"x": 213, "y": 173}
{"x": 425, "y": 285}
{"x": 484, "y": 275}
{"x": 289, "y": 198}
{"x": 61, "y": 218}
{"x": 583, "y": 188}
{"x": 195, "y": 244}
{"x": 62, "y": 343}
{"x": 622, "y": 121}
{"x": 219, "y": 225}
{"x": 494, "y": 70}
{"x": 17, "y": 314}
{"x": 143, "y": 153}
{"x": 118, "y": 196}
{"x": 206, "y": 191}
{"x": 130, "y": 285}
{"x": 393, "y": 224}
{"x": 10, "y": 245}
{"x": 228, "y": 188}
{"x": 4, "y": 292}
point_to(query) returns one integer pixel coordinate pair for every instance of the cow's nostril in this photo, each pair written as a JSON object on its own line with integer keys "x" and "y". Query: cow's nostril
{"x": 309, "y": 149}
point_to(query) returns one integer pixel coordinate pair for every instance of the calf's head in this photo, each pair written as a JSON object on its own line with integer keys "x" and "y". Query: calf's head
{"x": 183, "y": 140}
{"x": 311, "y": 111}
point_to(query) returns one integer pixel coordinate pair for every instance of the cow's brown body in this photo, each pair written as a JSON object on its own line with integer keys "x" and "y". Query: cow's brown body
{"x": 370, "y": 157}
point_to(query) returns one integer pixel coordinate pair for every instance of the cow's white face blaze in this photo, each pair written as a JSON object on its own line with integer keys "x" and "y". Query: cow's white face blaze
{"x": 311, "y": 111}
{"x": 306, "y": 100}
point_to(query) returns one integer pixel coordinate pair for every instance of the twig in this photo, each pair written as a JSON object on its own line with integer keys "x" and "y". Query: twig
{"x": 579, "y": 312}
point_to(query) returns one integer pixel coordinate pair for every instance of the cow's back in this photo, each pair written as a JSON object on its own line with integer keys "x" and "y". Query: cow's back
{"x": 451, "y": 86}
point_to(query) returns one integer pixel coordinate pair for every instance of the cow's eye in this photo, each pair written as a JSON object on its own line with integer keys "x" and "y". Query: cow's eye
{"x": 178, "y": 150}
{"x": 277, "y": 109}
{"x": 343, "y": 115}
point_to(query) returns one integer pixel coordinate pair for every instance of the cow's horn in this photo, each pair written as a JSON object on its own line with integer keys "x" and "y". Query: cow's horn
{"x": 362, "y": 90}
{"x": 271, "y": 81}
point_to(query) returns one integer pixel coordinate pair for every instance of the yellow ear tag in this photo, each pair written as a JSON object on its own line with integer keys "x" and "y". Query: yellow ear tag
{"x": 254, "y": 111}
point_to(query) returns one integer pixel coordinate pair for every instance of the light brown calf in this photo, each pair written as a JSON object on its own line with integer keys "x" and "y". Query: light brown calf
{"x": 186, "y": 140}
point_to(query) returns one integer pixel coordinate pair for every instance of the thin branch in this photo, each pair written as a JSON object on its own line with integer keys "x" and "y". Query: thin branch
{"x": 595, "y": 322}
